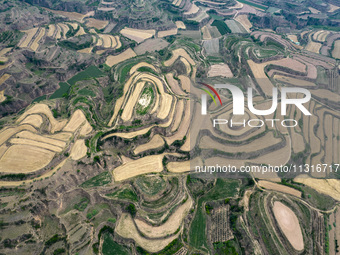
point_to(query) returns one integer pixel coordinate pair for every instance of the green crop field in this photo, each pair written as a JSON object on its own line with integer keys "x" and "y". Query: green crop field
{"x": 110, "y": 247}
{"x": 99, "y": 180}
{"x": 221, "y": 26}
{"x": 88, "y": 73}
{"x": 64, "y": 87}
{"x": 127, "y": 194}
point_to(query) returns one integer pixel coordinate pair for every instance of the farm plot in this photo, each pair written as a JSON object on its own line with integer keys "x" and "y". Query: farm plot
{"x": 313, "y": 46}
{"x": 79, "y": 150}
{"x": 185, "y": 83}
{"x": 29, "y": 36}
{"x": 220, "y": 70}
{"x": 155, "y": 143}
{"x": 170, "y": 226}
{"x": 4, "y": 78}
{"x": 96, "y": 23}
{"x": 138, "y": 35}
{"x": 127, "y": 229}
{"x": 167, "y": 32}
{"x": 174, "y": 84}
{"x": 81, "y": 31}
{"x": 149, "y": 164}
{"x": 279, "y": 188}
{"x": 132, "y": 101}
{"x": 235, "y": 27}
{"x": 179, "y": 53}
{"x": 206, "y": 33}
{"x": 289, "y": 225}
{"x": 244, "y": 21}
{"x": 336, "y": 51}
{"x": 293, "y": 81}
{"x": 180, "y": 25}
{"x": 35, "y": 43}
{"x": 151, "y": 45}
{"x": 193, "y": 9}
{"x": 113, "y": 60}
{"x": 220, "y": 225}
{"x": 51, "y": 30}
{"x": 212, "y": 47}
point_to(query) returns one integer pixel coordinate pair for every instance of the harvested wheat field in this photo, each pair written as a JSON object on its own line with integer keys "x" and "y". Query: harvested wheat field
{"x": 113, "y": 60}
{"x": 220, "y": 70}
{"x": 6, "y": 133}
{"x": 78, "y": 150}
{"x": 293, "y": 38}
{"x": 170, "y": 226}
{"x": 324, "y": 93}
{"x": 86, "y": 50}
{"x": 96, "y": 23}
{"x": 33, "y": 143}
{"x": 244, "y": 21}
{"x": 206, "y": 33}
{"x": 178, "y": 115}
{"x": 330, "y": 187}
{"x": 184, "y": 166}
{"x": 180, "y": 25}
{"x": 4, "y": 78}
{"x": 81, "y": 31}
{"x": 132, "y": 101}
{"x": 70, "y": 15}
{"x": 51, "y": 30}
{"x": 289, "y": 225}
{"x": 35, "y": 43}
{"x": 86, "y": 129}
{"x": 2, "y": 96}
{"x": 280, "y": 188}
{"x": 193, "y": 9}
{"x": 77, "y": 119}
{"x": 336, "y": 51}
{"x": 149, "y": 164}
{"x": 126, "y": 228}
{"x": 155, "y": 143}
{"x": 333, "y": 8}
{"x": 141, "y": 64}
{"x": 31, "y": 159}
{"x": 313, "y": 46}
{"x": 179, "y": 53}
{"x": 174, "y": 84}
{"x": 185, "y": 83}
{"x": 165, "y": 33}
{"x": 32, "y": 136}
{"x": 29, "y": 35}
{"x": 138, "y": 35}
{"x": 64, "y": 29}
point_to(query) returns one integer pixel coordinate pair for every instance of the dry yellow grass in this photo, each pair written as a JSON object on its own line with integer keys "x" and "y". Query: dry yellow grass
{"x": 64, "y": 136}
{"x": 77, "y": 119}
{"x": 206, "y": 33}
{"x": 51, "y": 30}
{"x": 33, "y": 143}
{"x": 293, "y": 81}
{"x": 78, "y": 150}
{"x": 180, "y": 25}
{"x": 179, "y": 53}
{"x": 336, "y": 51}
{"x": 138, "y": 35}
{"x": 126, "y": 228}
{"x": 113, "y": 60}
{"x": 3, "y": 149}
{"x": 155, "y": 142}
{"x": 244, "y": 21}
{"x": 40, "y": 138}
{"x": 4, "y": 78}
{"x": 220, "y": 70}
{"x": 28, "y": 38}
{"x": 96, "y": 23}
{"x": 260, "y": 76}
{"x": 278, "y": 187}
{"x": 6, "y": 133}
{"x": 31, "y": 159}
{"x": 165, "y": 33}
{"x": 44, "y": 109}
{"x": 148, "y": 164}
{"x": 289, "y": 225}
{"x": 106, "y": 40}
{"x": 132, "y": 101}
{"x": 35, "y": 43}
{"x": 170, "y": 226}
